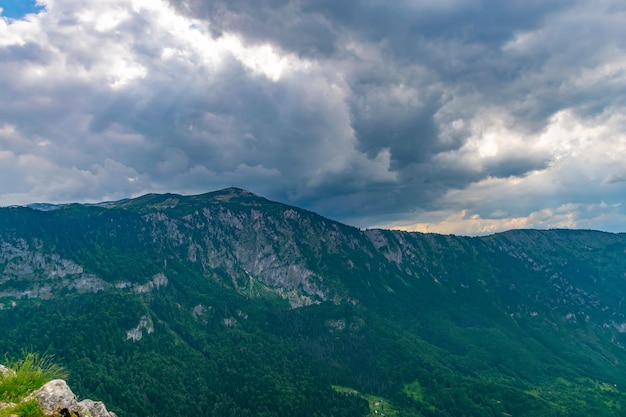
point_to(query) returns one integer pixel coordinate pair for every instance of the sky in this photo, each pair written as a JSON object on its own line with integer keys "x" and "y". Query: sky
{"x": 452, "y": 116}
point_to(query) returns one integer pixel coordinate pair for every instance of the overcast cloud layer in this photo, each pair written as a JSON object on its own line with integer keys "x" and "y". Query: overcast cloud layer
{"x": 454, "y": 116}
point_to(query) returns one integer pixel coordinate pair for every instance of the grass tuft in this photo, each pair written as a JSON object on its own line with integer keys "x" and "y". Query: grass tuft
{"x": 31, "y": 372}
{"x": 27, "y": 409}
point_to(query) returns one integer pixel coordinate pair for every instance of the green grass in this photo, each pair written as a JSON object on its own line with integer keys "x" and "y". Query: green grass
{"x": 379, "y": 406}
{"x": 586, "y": 393}
{"x": 26, "y": 409}
{"x": 31, "y": 372}
{"x": 414, "y": 391}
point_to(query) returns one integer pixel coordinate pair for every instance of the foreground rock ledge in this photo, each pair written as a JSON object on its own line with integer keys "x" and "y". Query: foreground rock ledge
{"x": 57, "y": 399}
{"x": 6, "y": 372}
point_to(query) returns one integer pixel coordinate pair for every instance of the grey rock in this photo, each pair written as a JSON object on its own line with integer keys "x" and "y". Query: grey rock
{"x": 56, "y": 398}
{"x": 6, "y": 372}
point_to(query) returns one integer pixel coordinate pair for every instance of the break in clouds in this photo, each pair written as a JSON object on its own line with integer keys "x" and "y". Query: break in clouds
{"x": 456, "y": 116}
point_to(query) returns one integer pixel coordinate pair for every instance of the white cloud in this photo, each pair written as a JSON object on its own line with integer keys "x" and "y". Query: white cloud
{"x": 93, "y": 56}
{"x": 577, "y": 186}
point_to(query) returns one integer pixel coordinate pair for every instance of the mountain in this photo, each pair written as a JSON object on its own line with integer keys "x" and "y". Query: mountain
{"x": 229, "y": 304}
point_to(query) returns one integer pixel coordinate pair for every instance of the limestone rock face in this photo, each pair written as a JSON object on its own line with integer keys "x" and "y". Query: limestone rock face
{"x": 57, "y": 399}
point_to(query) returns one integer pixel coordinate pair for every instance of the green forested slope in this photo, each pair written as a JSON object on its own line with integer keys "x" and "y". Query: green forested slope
{"x": 249, "y": 307}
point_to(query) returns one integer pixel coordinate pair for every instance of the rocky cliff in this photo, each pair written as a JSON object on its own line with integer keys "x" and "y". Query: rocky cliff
{"x": 55, "y": 399}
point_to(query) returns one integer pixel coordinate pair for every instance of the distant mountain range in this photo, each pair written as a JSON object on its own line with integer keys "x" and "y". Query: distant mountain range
{"x": 228, "y": 304}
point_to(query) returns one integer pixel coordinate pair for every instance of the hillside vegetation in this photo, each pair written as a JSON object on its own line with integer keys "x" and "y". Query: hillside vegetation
{"x": 228, "y": 304}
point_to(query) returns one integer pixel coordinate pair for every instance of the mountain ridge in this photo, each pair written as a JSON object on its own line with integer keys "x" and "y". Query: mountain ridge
{"x": 519, "y": 322}
{"x": 225, "y": 194}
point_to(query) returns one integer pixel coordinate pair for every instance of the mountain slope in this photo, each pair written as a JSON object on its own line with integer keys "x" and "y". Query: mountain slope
{"x": 230, "y": 304}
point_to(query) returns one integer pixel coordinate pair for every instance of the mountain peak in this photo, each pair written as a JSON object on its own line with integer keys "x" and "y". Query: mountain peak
{"x": 231, "y": 192}
{"x": 190, "y": 203}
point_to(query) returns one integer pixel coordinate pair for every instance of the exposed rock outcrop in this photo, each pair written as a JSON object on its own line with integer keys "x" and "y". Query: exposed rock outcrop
{"x": 5, "y": 372}
{"x": 56, "y": 399}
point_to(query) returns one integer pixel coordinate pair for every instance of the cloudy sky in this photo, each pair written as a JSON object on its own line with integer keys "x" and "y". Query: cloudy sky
{"x": 451, "y": 116}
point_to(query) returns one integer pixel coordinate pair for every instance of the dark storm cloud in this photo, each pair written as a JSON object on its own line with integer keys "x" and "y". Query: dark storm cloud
{"x": 402, "y": 65}
{"x": 318, "y": 26}
{"x": 268, "y": 20}
{"x": 223, "y": 122}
